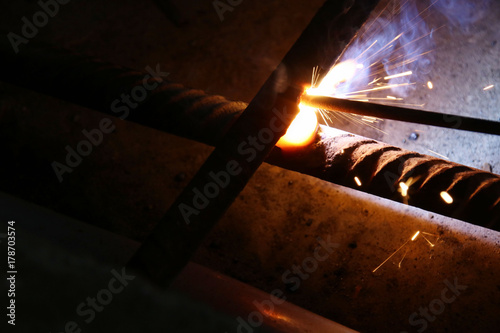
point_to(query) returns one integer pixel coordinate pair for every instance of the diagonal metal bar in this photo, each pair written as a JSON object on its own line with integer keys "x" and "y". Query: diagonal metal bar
{"x": 226, "y": 172}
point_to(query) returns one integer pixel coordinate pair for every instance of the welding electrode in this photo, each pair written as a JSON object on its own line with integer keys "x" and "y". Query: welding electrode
{"x": 402, "y": 114}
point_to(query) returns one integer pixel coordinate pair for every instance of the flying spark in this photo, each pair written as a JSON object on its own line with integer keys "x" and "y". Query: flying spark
{"x": 390, "y": 257}
{"x": 428, "y": 241}
{"x": 488, "y": 87}
{"x": 375, "y": 62}
{"x": 446, "y": 197}
{"x": 404, "y": 256}
{"x": 398, "y": 75}
{"x": 405, "y": 186}
{"x": 441, "y": 155}
{"x": 412, "y": 239}
{"x": 404, "y": 189}
{"x": 430, "y": 235}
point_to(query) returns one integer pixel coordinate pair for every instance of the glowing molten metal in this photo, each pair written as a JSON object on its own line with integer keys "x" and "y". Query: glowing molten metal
{"x": 302, "y": 131}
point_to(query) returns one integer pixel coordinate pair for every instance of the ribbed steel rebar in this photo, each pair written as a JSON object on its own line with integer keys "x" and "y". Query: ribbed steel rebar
{"x": 172, "y": 108}
{"x": 380, "y": 169}
{"x": 167, "y": 106}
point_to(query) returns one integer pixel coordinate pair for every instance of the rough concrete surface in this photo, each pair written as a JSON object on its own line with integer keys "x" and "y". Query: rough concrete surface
{"x": 463, "y": 61}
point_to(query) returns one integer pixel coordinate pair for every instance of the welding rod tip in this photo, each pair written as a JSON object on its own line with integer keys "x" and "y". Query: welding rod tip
{"x": 402, "y": 114}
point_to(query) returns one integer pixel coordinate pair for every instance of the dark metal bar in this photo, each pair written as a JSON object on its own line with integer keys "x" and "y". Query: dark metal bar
{"x": 403, "y": 114}
{"x": 175, "y": 238}
{"x": 168, "y": 106}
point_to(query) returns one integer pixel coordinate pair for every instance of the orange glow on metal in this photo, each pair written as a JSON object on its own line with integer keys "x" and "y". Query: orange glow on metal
{"x": 302, "y": 130}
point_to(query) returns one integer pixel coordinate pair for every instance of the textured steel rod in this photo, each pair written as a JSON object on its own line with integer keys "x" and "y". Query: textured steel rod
{"x": 403, "y": 114}
{"x": 169, "y": 107}
{"x": 378, "y": 168}
{"x": 191, "y": 113}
